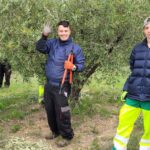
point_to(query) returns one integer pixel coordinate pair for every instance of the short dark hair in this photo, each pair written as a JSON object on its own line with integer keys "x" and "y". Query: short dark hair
{"x": 63, "y": 23}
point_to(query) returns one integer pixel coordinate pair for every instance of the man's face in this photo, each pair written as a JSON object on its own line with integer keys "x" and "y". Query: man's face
{"x": 147, "y": 30}
{"x": 63, "y": 32}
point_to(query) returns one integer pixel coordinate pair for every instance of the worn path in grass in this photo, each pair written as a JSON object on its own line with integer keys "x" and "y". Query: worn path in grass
{"x": 90, "y": 133}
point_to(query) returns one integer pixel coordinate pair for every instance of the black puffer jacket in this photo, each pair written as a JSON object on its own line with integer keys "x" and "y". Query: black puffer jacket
{"x": 138, "y": 83}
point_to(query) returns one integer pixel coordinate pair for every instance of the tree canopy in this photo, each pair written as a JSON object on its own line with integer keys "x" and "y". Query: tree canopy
{"x": 105, "y": 29}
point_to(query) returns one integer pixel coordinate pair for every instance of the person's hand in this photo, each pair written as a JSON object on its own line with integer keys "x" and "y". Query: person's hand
{"x": 46, "y": 29}
{"x": 68, "y": 65}
{"x": 123, "y": 95}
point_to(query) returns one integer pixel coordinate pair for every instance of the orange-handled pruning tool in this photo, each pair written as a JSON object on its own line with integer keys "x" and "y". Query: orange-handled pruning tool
{"x": 70, "y": 58}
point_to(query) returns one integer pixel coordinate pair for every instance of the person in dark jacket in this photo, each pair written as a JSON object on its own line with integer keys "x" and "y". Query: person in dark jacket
{"x": 137, "y": 97}
{"x": 56, "y": 102}
{"x": 5, "y": 72}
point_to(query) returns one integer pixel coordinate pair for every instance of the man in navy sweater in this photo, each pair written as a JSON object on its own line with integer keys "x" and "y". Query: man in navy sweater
{"x": 56, "y": 103}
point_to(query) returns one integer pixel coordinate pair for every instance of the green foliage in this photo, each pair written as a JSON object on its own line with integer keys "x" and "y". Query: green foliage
{"x": 95, "y": 145}
{"x": 17, "y": 114}
{"x": 106, "y": 30}
{"x": 15, "y": 128}
{"x": 95, "y": 98}
{"x": 103, "y": 112}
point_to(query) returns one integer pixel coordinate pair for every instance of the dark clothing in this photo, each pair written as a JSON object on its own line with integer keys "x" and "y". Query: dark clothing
{"x": 58, "y": 52}
{"x": 56, "y": 103}
{"x": 138, "y": 83}
{"x": 58, "y": 110}
{"x": 5, "y": 71}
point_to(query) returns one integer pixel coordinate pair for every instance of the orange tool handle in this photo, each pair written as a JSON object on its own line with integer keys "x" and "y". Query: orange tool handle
{"x": 65, "y": 72}
{"x": 71, "y": 59}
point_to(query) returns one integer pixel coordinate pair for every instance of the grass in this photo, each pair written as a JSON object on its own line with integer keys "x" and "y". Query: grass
{"x": 16, "y": 100}
{"x": 95, "y": 145}
{"x": 16, "y": 143}
{"x": 97, "y": 98}
{"x": 15, "y": 128}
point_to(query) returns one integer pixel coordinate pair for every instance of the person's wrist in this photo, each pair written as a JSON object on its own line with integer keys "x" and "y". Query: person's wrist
{"x": 74, "y": 68}
{"x": 46, "y": 34}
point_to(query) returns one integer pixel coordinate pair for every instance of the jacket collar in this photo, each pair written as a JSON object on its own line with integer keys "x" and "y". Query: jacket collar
{"x": 145, "y": 42}
{"x": 62, "y": 43}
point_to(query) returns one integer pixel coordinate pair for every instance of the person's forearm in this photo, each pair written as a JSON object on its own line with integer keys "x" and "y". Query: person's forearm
{"x": 41, "y": 44}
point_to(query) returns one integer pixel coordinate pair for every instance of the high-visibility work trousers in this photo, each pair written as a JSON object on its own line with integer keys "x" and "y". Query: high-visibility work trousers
{"x": 129, "y": 113}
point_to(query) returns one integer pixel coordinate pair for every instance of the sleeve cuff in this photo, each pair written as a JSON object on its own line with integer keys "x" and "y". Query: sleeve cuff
{"x": 44, "y": 37}
{"x": 74, "y": 68}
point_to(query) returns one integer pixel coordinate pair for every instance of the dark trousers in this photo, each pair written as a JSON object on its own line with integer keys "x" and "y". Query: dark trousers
{"x": 58, "y": 110}
{"x": 4, "y": 72}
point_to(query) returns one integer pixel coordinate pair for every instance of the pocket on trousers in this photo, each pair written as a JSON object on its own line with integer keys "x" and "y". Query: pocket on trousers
{"x": 65, "y": 113}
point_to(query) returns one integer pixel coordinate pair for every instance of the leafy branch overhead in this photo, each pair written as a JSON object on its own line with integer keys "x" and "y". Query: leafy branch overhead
{"x": 106, "y": 30}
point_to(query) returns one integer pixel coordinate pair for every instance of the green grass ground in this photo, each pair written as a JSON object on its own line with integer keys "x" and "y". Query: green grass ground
{"x": 98, "y": 98}
{"x": 17, "y": 98}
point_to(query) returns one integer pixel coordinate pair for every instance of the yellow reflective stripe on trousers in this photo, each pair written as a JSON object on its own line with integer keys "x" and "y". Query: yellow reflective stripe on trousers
{"x": 120, "y": 142}
{"x": 118, "y": 146}
{"x": 144, "y": 148}
{"x": 145, "y": 144}
{"x": 145, "y": 141}
{"x": 127, "y": 117}
{"x": 122, "y": 139}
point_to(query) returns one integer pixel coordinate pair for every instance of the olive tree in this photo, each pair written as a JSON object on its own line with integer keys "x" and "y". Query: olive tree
{"x": 105, "y": 29}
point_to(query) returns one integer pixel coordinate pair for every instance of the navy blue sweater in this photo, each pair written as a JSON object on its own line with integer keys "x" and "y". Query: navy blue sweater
{"x": 138, "y": 83}
{"x": 58, "y": 52}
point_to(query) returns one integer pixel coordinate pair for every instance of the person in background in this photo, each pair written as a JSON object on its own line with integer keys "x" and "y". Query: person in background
{"x": 5, "y": 72}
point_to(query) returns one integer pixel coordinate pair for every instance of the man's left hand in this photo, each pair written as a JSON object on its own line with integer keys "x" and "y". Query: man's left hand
{"x": 68, "y": 65}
